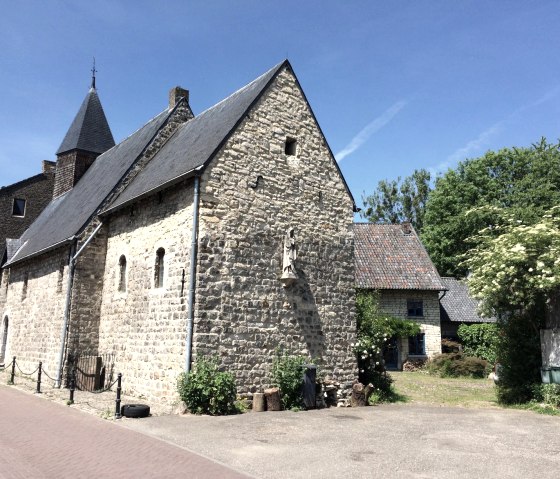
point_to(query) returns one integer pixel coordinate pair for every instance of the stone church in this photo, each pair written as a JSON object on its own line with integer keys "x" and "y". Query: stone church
{"x": 228, "y": 233}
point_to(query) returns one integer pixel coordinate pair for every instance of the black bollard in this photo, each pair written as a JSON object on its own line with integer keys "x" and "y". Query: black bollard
{"x": 118, "y": 400}
{"x": 13, "y": 370}
{"x": 39, "y": 377}
{"x": 72, "y": 386}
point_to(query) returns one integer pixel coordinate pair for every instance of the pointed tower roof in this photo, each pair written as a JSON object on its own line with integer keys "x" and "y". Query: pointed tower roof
{"x": 89, "y": 131}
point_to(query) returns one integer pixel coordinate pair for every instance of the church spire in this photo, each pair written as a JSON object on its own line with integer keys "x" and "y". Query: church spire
{"x": 89, "y": 136}
{"x": 93, "y": 72}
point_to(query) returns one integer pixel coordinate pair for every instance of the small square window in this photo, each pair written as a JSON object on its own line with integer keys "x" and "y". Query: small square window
{"x": 415, "y": 308}
{"x": 290, "y": 147}
{"x": 18, "y": 208}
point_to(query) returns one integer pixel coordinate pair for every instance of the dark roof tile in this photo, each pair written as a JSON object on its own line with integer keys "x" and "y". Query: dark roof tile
{"x": 387, "y": 258}
{"x": 66, "y": 215}
{"x": 89, "y": 131}
{"x": 458, "y": 306}
{"x": 196, "y": 141}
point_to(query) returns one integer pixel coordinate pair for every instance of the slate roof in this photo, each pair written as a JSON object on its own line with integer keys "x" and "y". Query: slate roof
{"x": 89, "y": 131}
{"x": 66, "y": 215}
{"x": 458, "y": 306}
{"x": 192, "y": 146}
{"x": 12, "y": 245}
{"x": 387, "y": 258}
{"x": 195, "y": 142}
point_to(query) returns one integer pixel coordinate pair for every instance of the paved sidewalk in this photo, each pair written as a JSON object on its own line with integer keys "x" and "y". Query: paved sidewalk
{"x": 41, "y": 439}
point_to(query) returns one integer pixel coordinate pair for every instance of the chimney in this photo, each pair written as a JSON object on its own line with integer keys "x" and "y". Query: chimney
{"x": 48, "y": 167}
{"x": 175, "y": 94}
{"x": 406, "y": 228}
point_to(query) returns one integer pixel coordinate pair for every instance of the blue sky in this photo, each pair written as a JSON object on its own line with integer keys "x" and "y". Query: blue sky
{"x": 395, "y": 85}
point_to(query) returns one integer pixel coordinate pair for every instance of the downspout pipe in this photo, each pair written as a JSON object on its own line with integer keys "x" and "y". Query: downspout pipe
{"x": 192, "y": 276}
{"x": 71, "y": 269}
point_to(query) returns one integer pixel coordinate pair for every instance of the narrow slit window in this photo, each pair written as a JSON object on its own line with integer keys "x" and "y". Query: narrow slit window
{"x": 18, "y": 207}
{"x": 25, "y": 282}
{"x": 290, "y": 146}
{"x": 159, "y": 268}
{"x": 122, "y": 273}
{"x": 60, "y": 278}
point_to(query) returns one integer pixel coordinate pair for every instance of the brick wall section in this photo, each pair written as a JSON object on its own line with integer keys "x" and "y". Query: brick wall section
{"x": 70, "y": 167}
{"x": 243, "y": 312}
{"x": 35, "y": 321}
{"x": 395, "y": 303}
{"x": 145, "y": 326}
{"x": 36, "y": 191}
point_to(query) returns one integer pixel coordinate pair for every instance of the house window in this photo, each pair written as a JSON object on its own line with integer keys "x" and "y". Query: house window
{"x": 18, "y": 207}
{"x": 159, "y": 268}
{"x": 122, "y": 273}
{"x": 290, "y": 146}
{"x": 415, "y": 308}
{"x": 416, "y": 345}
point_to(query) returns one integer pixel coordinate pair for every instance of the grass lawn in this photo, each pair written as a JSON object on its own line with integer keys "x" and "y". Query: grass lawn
{"x": 424, "y": 388}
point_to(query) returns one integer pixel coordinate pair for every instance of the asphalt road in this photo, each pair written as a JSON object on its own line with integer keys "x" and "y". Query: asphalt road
{"x": 392, "y": 441}
{"x": 42, "y": 439}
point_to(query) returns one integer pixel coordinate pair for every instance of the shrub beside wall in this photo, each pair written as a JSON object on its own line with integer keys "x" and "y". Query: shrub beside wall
{"x": 480, "y": 340}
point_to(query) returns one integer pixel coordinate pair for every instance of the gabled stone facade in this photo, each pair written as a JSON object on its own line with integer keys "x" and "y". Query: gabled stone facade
{"x": 271, "y": 172}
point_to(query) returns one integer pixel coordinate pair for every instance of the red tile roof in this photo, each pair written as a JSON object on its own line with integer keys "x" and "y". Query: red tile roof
{"x": 392, "y": 257}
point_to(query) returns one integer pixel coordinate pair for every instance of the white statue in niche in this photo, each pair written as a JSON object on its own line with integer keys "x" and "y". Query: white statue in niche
{"x": 289, "y": 274}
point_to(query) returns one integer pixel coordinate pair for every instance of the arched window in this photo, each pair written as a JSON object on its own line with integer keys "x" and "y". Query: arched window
{"x": 159, "y": 268}
{"x": 4, "y": 340}
{"x": 122, "y": 273}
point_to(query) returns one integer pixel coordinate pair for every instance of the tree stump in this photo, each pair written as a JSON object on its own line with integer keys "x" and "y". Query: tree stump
{"x": 258, "y": 402}
{"x": 272, "y": 396}
{"x": 358, "y": 398}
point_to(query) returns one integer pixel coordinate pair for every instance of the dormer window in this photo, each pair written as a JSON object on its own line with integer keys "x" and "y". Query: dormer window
{"x": 290, "y": 146}
{"x": 18, "y": 207}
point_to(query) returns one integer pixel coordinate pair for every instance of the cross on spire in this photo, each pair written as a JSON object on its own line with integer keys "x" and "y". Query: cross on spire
{"x": 93, "y": 72}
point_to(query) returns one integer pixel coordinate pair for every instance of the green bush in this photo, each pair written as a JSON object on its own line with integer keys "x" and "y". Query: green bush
{"x": 548, "y": 394}
{"x": 207, "y": 390}
{"x": 287, "y": 375}
{"x": 375, "y": 329}
{"x": 457, "y": 365}
{"x": 480, "y": 340}
{"x": 519, "y": 355}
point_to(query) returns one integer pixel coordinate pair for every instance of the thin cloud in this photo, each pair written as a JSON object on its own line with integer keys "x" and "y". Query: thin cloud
{"x": 474, "y": 146}
{"x": 370, "y": 129}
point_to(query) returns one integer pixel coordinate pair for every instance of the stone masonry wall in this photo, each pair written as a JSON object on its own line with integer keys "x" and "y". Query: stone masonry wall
{"x": 394, "y": 302}
{"x": 36, "y": 316}
{"x": 145, "y": 326}
{"x": 251, "y": 194}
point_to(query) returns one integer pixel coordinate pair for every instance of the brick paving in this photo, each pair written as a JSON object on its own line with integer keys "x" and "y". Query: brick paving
{"x": 41, "y": 439}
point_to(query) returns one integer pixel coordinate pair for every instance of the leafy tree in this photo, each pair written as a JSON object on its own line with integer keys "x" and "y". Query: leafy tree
{"x": 396, "y": 201}
{"x": 525, "y": 181}
{"x": 515, "y": 271}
